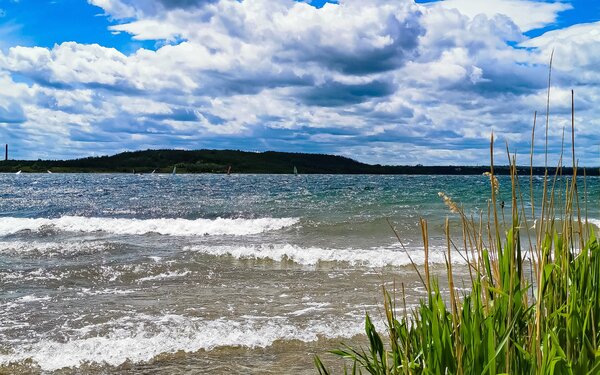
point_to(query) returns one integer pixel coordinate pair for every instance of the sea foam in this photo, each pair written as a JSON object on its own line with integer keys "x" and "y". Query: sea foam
{"x": 309, "y": 256}
{"x": 144, "y": 340}
{"x": 53, "y": 248}
{"x": 172, "y": 227}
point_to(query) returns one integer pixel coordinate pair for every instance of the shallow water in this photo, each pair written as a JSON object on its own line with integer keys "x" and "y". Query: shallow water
{"x": 209, "y": 273}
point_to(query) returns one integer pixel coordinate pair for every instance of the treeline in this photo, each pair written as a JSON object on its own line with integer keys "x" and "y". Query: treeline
{"x": 219, "y": 161}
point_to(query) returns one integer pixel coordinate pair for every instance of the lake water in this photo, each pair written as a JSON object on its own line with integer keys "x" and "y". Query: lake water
{"x": 211, "y": 273}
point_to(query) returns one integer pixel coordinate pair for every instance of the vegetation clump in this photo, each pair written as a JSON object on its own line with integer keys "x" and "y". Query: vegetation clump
{"x": 533, "y": 304}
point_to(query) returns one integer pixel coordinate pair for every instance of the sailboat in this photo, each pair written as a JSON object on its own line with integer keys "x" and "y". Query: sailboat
{"x": 153, "y": 171}
{"x": 49, "y": 171}
{"x": 19, "y": 172}
{"x": 229, "y": 170}
{"x": 174, "y": 170}
{"x": 295, "y": 170}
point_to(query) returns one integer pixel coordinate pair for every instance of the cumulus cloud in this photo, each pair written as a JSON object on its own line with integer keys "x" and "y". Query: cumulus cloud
{"x": 11, "y": 112}
{"x": 121, "y": 9}
{"x": 576, "y": 48}
{"x": 379, "y": 80}
{"x": 183, "y": 3}
{"x": 12, "y": 97}
{"x": 526, "y": 14}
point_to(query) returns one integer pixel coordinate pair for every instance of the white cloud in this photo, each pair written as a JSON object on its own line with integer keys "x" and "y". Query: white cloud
{"x": 12, "y": 97}
{"x": 577, "y": 48}
{"x": 527, "y": 14}
{"x": 364, "y": 78}
{"x": 116, "y": 8}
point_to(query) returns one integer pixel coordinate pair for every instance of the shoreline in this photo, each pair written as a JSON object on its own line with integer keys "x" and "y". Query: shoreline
{"x": 268, "y": 162}
{"x": 499, "y": 171}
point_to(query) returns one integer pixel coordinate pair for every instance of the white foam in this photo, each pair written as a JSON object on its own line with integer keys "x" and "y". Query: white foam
{"x": 173, "y": 227}
{"x": 143, "y": 341}
{"x": 38, "y": 274}
{"x": 32, "y": 298}
{"x": 110, "y": 291}
{"x": 165, "y": 275}
{"x": 596, "y": 222}
{"x": 52, "y": 248}
{"x": 313, "y": 306}
{"x": 309, "y": 256}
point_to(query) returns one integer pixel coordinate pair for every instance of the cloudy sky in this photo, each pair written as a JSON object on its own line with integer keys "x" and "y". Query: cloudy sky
{"x": 381, "y": 81}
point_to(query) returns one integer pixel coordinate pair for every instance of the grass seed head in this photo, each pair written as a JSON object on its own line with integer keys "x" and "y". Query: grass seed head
{"x": 494, "y": 181}
{"x": 449, "y": 202}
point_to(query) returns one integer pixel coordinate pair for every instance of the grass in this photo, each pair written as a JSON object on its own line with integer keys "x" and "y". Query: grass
{"x": 533, "y": 303}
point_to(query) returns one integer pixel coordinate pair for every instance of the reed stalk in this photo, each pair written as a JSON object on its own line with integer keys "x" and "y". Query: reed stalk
{"x": 508, "y": 322}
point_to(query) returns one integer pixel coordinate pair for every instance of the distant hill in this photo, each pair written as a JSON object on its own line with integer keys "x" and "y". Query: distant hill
{"x": 218, "y": 161}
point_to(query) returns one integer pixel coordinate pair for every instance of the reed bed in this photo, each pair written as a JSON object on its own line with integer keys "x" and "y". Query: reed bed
{"x": 533, "y": 301}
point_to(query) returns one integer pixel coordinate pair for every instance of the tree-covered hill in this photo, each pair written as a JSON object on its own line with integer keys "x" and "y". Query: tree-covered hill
{"x": 218, "y": 161}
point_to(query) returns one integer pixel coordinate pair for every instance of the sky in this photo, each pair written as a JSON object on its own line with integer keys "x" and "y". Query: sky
{"x": 380, "y": 81}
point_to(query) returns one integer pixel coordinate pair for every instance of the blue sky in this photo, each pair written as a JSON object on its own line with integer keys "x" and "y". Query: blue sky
{"x": 391, "y": 82}
{"x": 47, "y": 22}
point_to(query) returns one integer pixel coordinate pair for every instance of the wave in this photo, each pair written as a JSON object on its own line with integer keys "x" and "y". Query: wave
{"x": 596, "y": 222}
{"x": 53, "y": 248}
{"x": 165, "y": 275}
{"x": 310, "y": 256}
{"x": 172, "y": 227}
{"x": 143, "y": 340}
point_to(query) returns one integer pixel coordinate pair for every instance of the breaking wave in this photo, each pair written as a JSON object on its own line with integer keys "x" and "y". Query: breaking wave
{"x": 53, "y": 248}
{"x": 172, "y": 227}
{"x": 143, "y": 340}
{"x": 309, "y": 256}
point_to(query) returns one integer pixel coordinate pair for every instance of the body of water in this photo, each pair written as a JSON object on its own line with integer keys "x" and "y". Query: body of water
{"x": 210, "y": 273}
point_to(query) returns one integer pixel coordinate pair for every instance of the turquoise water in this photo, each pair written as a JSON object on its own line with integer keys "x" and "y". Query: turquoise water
{"x": 194, "y": 271}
